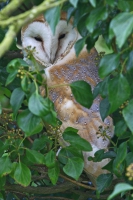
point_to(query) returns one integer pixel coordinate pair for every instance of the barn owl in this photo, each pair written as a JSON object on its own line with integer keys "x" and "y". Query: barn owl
{"x": 56, "y": 55}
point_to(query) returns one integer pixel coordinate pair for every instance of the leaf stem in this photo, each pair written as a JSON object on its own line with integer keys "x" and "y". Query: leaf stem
{"x": 108, "y": 137}
{"x": 123, "y": 65}
{"x": 34, "y": 80}
{"x": 125, "y": 50}
{"x": 21, "y": 142}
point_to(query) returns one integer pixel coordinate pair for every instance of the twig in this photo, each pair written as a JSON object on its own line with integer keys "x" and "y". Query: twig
{"x": 14, "y": 54}
{"x": 77, "y": 183}
{"x": 7, "y": 110}
{"x": 50, "y": 198}
{"x": 7, "y": 41}
{"x": 31, "y": 141}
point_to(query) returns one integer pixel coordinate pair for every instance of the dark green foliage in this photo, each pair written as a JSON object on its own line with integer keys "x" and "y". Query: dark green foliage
{"x": 73, "y": 138}
{"x": 29, "y": 128}
{"x": 104, "y": 181}
{"x": 53, "y": 21}
{"x": 82, "y": 93}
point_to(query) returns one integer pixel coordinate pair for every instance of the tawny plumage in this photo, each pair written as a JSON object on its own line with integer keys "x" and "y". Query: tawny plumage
{"x": 56, "y": 56}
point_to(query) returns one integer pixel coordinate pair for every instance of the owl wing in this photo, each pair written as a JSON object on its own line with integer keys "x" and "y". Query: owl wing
{"x": 71, "y": 113}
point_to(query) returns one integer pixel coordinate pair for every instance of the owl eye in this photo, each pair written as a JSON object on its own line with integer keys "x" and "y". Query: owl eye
{"x": 62, "y": 36}
{"x": 38, "y": 39}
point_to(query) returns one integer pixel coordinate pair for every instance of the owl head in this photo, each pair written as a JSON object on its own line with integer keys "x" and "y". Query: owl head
{"x": 48, "y": 48}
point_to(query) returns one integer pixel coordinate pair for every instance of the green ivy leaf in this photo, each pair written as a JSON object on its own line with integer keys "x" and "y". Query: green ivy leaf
{"x": 11, "y": 77}
{"x": 128, "y": 114}
{"x": 123, "y": 6}
{"x": 3, "y": 147}
{"x": 74, "y": 139}
{"x": 93, "y": 2}
{"x": 15, "y": 65}
{"x": 121, "y": 155}
{"x": 83, "y": 32}
{"x": 103, "y": 181}
{"x": 39, "y": 78}
{"x": 35, "y": 157}
{"x": 82, "y": 93}
{"x": 69, "y": 152}
{"x": 119, "y": 188}
{"x": 2, "y": 182}
{"x": 53, "y": 21}
{"x": 102, "y": 46}
{"x": 129, "y": 64}
{"x": 103, "y": 91}
{"x": 74, "y": 167}
{"x": 121, "y": 26}
{"x": 79, "y": 13}
{"x": 16, "y": 100}
{"x": 120, "y": 128}
{"x": 100, "y": 155}
{"x": 22, "y": 174}
{"x": 51, "y": 117}
{"x": 130, "y": 143}
{"x": 38, "y": 105}
{"x": 29, "y": 123}
{"x": 129, "y": 158}
{"x": 25, "y": 84}
{"x": 119, "y": 91}
{"x": 112, "y": 3}
{"x": 104, "y": 108}
{"x": 108, "y": 64}
{"x": 96, "y": 14}
{"x": 40, "y": 143}
{"x": 79, "y": 46}
{"x": 50, "y": 159}
{"x": 90, "y": 43}
{"x": 109, "y": 166}
{"x": 1, "y": 195}
{"x": 53, "y": 173}
{"x": 74, "y": 2}
{"x": 96, "y": 90}
{"x": 5, "y": 166}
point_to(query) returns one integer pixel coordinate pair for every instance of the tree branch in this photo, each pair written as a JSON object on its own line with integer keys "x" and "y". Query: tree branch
{"x": 8, "y": 39}
{"x": 40, "y": 190}
{"x": 8, "y": 10}
{"x": 78, "y": 183}
{"x": 14, "y": 54}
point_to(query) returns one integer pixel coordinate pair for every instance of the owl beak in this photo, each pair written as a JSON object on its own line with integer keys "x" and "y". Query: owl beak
{"x": 54, "y": 49}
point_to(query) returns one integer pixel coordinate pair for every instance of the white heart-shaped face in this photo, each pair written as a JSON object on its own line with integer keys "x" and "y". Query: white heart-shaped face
{"x": 49, "y": 48}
